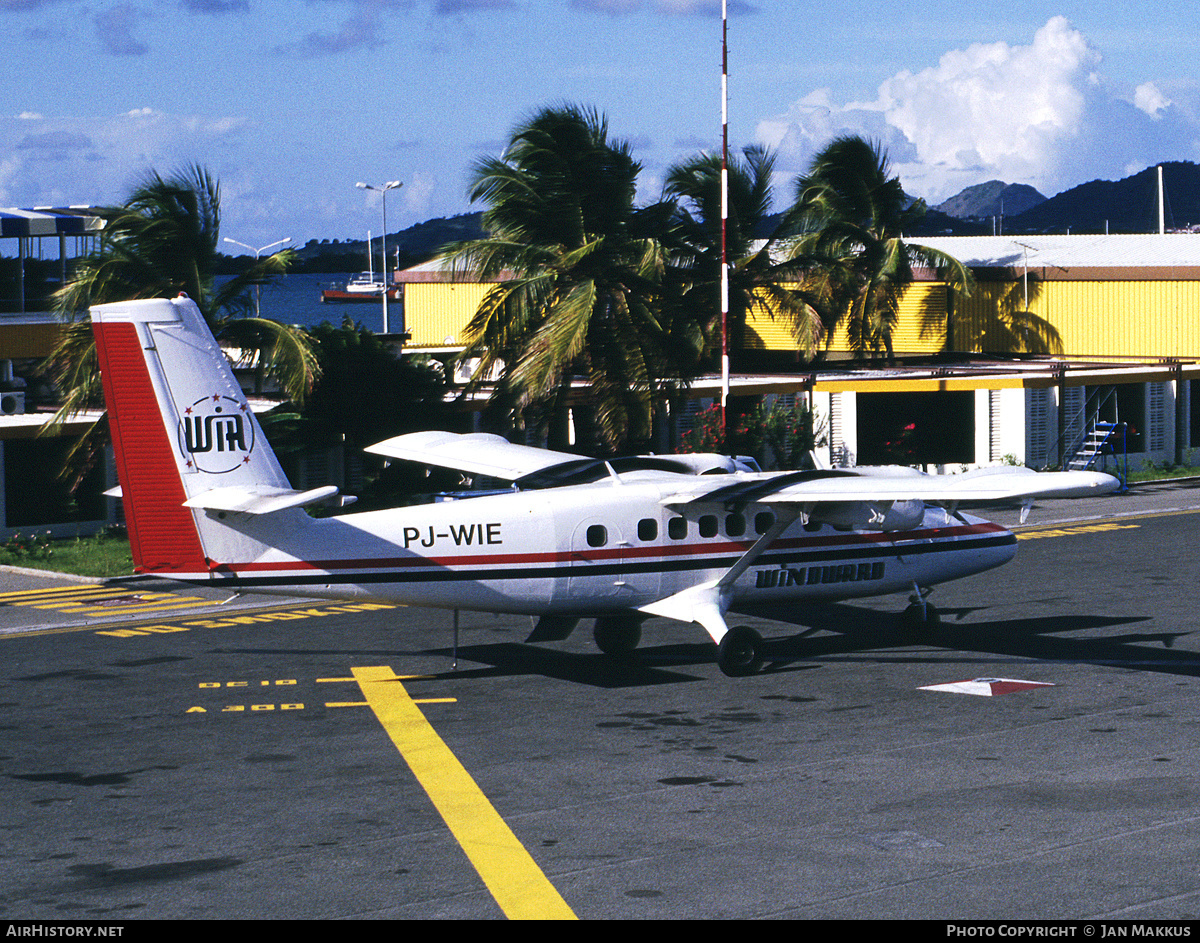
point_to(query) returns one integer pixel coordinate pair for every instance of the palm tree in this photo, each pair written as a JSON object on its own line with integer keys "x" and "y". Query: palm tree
{"x": 162, "y": 241}
{"x": 854, "y": 213}
{"x": 762, "y": 278}
{"x": 579, "y": 270}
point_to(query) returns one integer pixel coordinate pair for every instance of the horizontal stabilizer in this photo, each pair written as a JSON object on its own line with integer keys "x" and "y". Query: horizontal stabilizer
{"x": 260, "y": 500}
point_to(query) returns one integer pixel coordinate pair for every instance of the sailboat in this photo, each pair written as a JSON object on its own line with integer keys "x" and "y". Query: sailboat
{"x": 365, "y": 286}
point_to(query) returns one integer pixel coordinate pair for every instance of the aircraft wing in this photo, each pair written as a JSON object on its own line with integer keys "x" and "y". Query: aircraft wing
{"x": 477, "y": 453}
{"x": 901, "y": 484}
{"x": 527, "y": 467}
{"x": 862, "y": 496}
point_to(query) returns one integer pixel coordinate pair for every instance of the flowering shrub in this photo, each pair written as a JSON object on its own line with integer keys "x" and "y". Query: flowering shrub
{"x": 902, "y": 448}
{"x": 778, "y": 435}
{"x": 20, "y": 547}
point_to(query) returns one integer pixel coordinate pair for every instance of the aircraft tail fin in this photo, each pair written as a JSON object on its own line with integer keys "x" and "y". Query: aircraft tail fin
{"x": 182, "y": 432}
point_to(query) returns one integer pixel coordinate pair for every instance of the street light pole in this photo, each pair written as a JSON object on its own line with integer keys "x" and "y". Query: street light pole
{"x": 390, "y": 185}
{"x": 257, "y": 252}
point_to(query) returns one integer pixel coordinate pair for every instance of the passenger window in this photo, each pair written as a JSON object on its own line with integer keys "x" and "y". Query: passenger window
{"x": 708, "y": 525}
{"x": 763, "y": 521}
{"x": 597, "y": 535}
{"x": 735, "y": 525}
{"x": 647, "y": 528}
{"x": 677, "y": 528}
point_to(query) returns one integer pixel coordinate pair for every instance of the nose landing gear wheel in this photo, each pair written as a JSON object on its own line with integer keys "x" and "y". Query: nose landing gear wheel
{"x": 740, "y": 652}
{"x": 920, "y": 616}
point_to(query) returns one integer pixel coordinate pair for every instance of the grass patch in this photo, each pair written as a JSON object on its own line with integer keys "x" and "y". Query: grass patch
{"x": 104, "y": 555}
{"x": 1163, "y": 472}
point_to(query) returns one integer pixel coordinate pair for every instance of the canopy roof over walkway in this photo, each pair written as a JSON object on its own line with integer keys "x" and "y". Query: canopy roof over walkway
{"x": 48, "y": 221}
{"x": 41, "y": 222}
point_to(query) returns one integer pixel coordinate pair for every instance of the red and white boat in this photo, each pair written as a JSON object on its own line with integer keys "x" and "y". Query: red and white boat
{"x": 365, "y": 286}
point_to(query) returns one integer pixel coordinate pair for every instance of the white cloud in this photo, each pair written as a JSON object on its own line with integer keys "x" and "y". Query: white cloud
{"x": 1037, "y": 114}
{"x": 1149, "y": 99}
{"x": 417, "y": 195}
{"x": 1011, "y": 108}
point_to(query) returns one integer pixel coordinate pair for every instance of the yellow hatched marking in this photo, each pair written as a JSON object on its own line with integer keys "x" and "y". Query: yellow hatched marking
{"x": 45, "y": 601}
{"x": 183, "y": 602}
{"x": 1071, "y": 530}
{"x": 97, "y": 600}
{"x": 17, "y": 595}
{"x": 509, "y": 871}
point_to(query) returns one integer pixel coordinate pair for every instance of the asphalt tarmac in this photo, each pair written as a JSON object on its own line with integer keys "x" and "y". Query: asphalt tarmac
{"x": 165, "y": 755}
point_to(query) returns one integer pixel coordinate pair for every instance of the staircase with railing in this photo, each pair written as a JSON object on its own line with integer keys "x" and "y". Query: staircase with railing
{"x": 1086, "y": 439}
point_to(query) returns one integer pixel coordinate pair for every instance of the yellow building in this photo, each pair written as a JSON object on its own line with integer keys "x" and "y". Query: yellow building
{"x": 1060, "y": 332}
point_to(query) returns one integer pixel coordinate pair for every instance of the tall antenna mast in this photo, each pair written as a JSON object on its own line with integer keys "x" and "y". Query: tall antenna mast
{"x": 1162, "y": 216}
{"x": 724, "y": 213}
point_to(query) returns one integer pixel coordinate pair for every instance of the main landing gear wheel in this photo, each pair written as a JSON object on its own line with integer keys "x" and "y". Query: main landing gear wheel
{"x": 740, "y": 652}
{"x": 617, "y": 635}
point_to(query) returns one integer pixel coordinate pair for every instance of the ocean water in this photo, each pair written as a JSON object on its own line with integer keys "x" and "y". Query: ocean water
{"x": 296, "y": 299}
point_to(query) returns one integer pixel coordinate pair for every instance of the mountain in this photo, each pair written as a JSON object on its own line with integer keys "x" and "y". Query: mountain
{"x": 415, "y": 244}
{"x": 1125, "y": 206}
{"x": 994, "y": 198}
{"x": 1129, "y": 205}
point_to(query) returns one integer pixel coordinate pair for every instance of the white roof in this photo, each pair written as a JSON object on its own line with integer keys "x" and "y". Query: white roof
{"x": 1067, "y": 252}
{"x": 1151, "y": 250}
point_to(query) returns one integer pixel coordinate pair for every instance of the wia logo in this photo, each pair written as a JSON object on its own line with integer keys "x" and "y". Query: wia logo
{"x": 216, "y": 435}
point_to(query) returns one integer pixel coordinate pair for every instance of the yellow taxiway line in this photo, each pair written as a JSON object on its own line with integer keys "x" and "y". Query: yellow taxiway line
{"x": 509, "y": 871}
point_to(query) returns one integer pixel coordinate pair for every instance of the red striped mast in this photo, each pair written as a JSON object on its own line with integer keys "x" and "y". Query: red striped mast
{"x": 724, "y": 214}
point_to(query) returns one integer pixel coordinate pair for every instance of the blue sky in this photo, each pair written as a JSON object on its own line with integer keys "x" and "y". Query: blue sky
{"x": 290, "y": 104}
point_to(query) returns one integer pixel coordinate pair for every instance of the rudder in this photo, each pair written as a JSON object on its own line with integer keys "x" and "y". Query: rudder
{"x": 180, "y": 427}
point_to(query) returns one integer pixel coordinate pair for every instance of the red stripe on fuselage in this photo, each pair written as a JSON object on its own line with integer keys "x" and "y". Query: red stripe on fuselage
{"x": 162, "y": 533}
{"x": 665, "y": 551}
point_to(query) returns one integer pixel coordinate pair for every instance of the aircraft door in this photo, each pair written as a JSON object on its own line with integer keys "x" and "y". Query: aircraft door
{"x": 604, "y": 566}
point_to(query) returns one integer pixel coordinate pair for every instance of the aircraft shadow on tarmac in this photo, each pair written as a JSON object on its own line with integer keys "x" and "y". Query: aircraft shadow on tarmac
{"x": 833, "y": 631}
{"x": 844, "y": 630}
{"x": 847, "y": 629}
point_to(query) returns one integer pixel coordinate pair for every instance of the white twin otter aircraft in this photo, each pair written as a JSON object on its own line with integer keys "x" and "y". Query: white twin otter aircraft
{"x": 688, "y": 537}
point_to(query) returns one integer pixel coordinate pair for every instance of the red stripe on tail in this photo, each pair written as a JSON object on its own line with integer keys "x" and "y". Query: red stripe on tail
{"x": 162, "y": 532}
